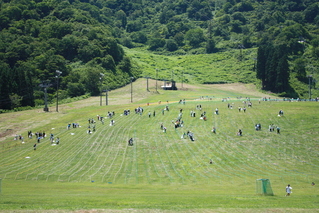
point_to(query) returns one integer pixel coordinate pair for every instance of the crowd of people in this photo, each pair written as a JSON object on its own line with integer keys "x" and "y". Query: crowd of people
{"x": 178, "y": 122}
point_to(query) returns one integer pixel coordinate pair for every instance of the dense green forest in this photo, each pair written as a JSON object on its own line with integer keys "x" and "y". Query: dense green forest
{"x": 74, "y": 48}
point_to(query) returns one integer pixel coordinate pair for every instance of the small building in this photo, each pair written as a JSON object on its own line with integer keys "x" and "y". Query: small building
{"x": 169, "y": 85}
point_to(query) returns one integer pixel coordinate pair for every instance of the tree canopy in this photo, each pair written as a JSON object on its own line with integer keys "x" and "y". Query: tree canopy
{"x": 80, "y": 37}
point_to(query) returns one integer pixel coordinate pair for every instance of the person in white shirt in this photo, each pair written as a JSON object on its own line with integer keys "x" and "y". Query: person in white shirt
{"x": 288, "y": 190}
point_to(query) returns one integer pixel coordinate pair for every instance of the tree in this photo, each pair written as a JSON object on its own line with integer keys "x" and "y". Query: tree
{"x": 300, "y": 69}
{"x": 15, "y": 100}
{"x": 236, "y": 26}
{"x": 262, "y": 57}
{"x": 239, "y": 16}
{"x": 282, "y": 80}
{"x": 171, "y": 45}
{"x": 195, "y": 37}
{"x": 244, "y": 6}
{"x": 179, "y": 39}
{"x": 13, "y": 12}
{"x": 89, "y": 52}
{"x": 57, "y": 29}
{"x": 120, "y": 15}
{"x": 133, "y": 26}
{"x": 127, "y": 42}
{"x": 69, "y": 47}
{"x": 139, "y": 37}
{"x": 311, "y": 12}
{"x": 5, "y": 82}
{"x": 75, "y": 89}
{"x": 4, "y": 21}
{"x": 155, "y": 43}
{"x": 273, "y": 68}
{"x": 92, "y": 80}
{"x": 125, "y": 65}
{"x": 24, "y": 72}
{"x": 210, "y": 46}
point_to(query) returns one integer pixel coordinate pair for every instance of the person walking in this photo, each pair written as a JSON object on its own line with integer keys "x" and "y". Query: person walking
{"x": 288, "y": 190}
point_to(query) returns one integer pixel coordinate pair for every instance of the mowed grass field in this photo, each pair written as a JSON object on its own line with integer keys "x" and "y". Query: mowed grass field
{"x": 163, "y": 172}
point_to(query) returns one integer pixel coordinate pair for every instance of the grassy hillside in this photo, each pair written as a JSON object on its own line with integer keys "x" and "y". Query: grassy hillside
{"x": 162, "y": 171}
{"x": 222, "y": 67}
{"x": 203, "y": 68}
{"x": 71, "y": 45}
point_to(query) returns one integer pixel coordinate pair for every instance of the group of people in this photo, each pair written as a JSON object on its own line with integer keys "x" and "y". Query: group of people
{"x": 150, "y": 114}
{"x": 126, "y": 112}
{"x": 19, "y": 137}
{"x": 203, "y": 116}
{"x": 42, "y": 135}
{"x": 182, "y": 101}
{"x": 74, "y": 125}
{"x": 139, "y": 110}
{"x": 110, "y": 114}
{"x": 241, "y": 109}
{"x": 177, "y": 122}
{"x": 272, "y": 128}
{"x": 91, "y": 128}
{"x": 257, "y": 127}
{"x": 163, "y": 128}
{"x": 280, "y": 113}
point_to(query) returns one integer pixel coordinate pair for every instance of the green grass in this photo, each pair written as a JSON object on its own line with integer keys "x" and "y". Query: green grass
{"x": 162, "y": 171}
{"x": 73, "y": 196}
{"x": 220, "y": 67}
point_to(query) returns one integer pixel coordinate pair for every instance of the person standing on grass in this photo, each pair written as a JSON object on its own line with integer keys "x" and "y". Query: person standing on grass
{"x": 51, "y": 137}
{"x": 164, "y": 129}
{"x": 35, "y": 146}
{"x": 240, "y": 132}
{"x": 130, "y": 142}
{"x": 278, "y": 130}
{"x": 214, "y": 130}
{"x": 288, "y": 190}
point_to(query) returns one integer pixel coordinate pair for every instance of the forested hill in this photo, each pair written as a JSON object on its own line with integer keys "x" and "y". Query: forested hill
{"x": 83, "y": 39}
